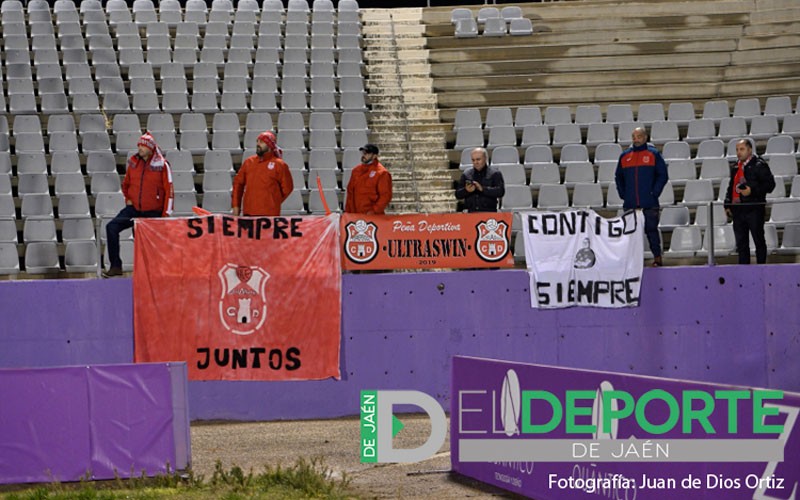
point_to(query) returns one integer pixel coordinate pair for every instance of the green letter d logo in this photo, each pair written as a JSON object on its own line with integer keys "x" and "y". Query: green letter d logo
{"x": 386, "y": 426}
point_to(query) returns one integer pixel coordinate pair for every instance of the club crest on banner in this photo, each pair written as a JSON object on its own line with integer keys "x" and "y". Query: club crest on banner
{"x": 492, "y": 243}
{"x": 243, "y": 301}
{"x": 361, "y": 245}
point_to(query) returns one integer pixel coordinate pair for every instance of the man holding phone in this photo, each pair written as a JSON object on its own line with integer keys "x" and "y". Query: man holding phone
{"x": 480, "y": 186}
{"x": 745, "y": 201}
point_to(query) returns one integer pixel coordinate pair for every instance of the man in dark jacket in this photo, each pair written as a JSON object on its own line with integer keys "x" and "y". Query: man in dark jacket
{"x": 641, "y": 176}
{"x": 480, "y": 186}
{"x": 751, "y": 182}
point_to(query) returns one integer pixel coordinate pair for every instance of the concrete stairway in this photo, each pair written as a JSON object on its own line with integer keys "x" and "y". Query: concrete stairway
{"x": 404, "y": 121}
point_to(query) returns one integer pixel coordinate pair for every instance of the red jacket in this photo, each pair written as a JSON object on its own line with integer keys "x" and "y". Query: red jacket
{"x": 264, "y": 183}
{"x": 369, "y": 189}
{"x": 148, "y": 185}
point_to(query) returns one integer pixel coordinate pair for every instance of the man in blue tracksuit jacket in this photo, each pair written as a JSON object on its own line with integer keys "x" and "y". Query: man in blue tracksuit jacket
{"x": 641, "y": 176}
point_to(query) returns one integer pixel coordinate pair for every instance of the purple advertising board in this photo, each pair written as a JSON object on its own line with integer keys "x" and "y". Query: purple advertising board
{"x": 549, "y": 432}
{"x": 99, "y": 421}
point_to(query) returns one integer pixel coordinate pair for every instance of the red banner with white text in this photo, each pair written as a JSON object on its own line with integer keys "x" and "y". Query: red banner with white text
{"x": 426, "y": 241}
{"x": 239, "y": 298}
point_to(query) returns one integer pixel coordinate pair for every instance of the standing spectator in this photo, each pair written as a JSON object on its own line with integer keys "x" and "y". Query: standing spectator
{"x": 481, "y": 186}
{"x": 264, "y": 180}
{"x": 745, "y": 199}
{"x": 370, "y": 188}
{"x": 148, "y": 192}
{"x": 641, "y": 176}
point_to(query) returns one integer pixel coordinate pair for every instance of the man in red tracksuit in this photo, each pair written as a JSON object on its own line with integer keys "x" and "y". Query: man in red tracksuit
{"x": 148, "y": 193}
{"x": 370, "y": 188}
{"x": 263, "y": 182}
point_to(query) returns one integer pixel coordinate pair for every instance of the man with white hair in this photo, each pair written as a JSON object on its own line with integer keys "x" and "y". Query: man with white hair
{"x": 481, "y": 186}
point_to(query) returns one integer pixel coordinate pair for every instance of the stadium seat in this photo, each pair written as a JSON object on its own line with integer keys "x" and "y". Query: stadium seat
{"x": 697, "y": 192}
{"x": 552, "y": 196}
{"x": 516, "y": 198}
{"x": 41, "y": 258}
{"x": 681, "y": 113}
{"x": 81, "y": 257}
{"x": 527, "y": 115}
{"x": 700, "y": 130}
{"x": 779, "y": 106}
{"x": 9, "y": 259}
{"x": 724, "y": 241}
{"x": 714, "y": 169}
{"x": 732, "y": 127}
{"x": 790, "y": 243}
{"x": 701, "y": 215}
{"x": 520, "y": 27}
{"x": 587, "y": 196}
{"x": 545, "y": 173}
{"x": 466, "y": 28}
{"x": 716, "y": 110}
{"x": 650, "y": 113}
{"x": 685, "y": 241}
{"x": 681, "y": 171}
{"x": 672, "y": 217}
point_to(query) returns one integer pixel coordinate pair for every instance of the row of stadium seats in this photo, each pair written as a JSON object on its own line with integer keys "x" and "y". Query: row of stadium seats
{"x": 169, "y": 8}
{"x": 495, "y": 22}
{"x": 762, "y": 127}
{"x": 784, "y": 210}
{"x": 694, "y": 241}
{"x": 679, "y": 112}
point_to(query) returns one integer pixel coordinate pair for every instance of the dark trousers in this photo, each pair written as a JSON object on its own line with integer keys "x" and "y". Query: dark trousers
{"x": 746, "y": 221}
{"x": 121, "y": 222}
{"x": 651, "y": 216}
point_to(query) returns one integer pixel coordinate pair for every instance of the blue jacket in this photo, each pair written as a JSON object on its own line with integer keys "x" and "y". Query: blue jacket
{"x": 641, "y": 176}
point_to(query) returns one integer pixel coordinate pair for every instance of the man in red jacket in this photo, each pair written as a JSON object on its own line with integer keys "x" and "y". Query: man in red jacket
{"x": 148, "y": 193}
{"x": 263, "y": 181}
{"x": 370, "y": 188}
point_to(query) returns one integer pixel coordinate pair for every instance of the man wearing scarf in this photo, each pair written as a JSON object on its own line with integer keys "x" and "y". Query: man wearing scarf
{"x": 263, "y": 182}
{"x": 148, "y": 193}
{"x": 745, "y": 199}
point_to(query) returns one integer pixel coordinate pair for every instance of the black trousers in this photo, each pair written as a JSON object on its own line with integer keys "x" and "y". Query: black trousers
{"x": 746, "y": 221}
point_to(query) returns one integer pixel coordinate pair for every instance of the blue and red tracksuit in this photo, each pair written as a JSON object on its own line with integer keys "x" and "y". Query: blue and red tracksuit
{"x": 641, "y": 176}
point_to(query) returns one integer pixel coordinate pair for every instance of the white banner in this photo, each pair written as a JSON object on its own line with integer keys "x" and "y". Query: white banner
{"x": 578, "y": 258}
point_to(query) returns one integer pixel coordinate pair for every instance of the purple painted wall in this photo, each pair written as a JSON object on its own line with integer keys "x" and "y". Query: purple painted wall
{"x": 726, "y": 324}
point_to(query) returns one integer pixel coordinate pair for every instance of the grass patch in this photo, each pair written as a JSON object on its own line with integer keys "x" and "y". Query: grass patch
{"x": 304, "y": 479}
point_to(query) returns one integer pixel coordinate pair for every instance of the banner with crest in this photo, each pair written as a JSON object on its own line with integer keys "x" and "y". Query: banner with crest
{"x": 239, "y": 298}
{"x": 426, "y": 241}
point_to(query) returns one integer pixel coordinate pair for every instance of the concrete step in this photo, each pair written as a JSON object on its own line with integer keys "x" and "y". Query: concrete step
{"x": 551, "y": 80}
{"x": 545, "y": 96}
{"x": 776, "y": 28}
{"x": 777, "y": 86}
{"x": 424, "y": 207}
{"x": 769, "y": 42}
{"x": 760, "y": 56}
{"x": 645, "y": 48}
{"x": 579, "y": 64}
{"x": 775, "y": 15}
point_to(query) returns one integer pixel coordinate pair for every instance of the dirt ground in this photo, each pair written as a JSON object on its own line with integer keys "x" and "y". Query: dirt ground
{"x": 336, "y": 442}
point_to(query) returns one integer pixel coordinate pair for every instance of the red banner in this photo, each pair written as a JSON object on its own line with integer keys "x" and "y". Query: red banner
{"x": 239, "y": 298}
{"x": 426, "y": 241}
